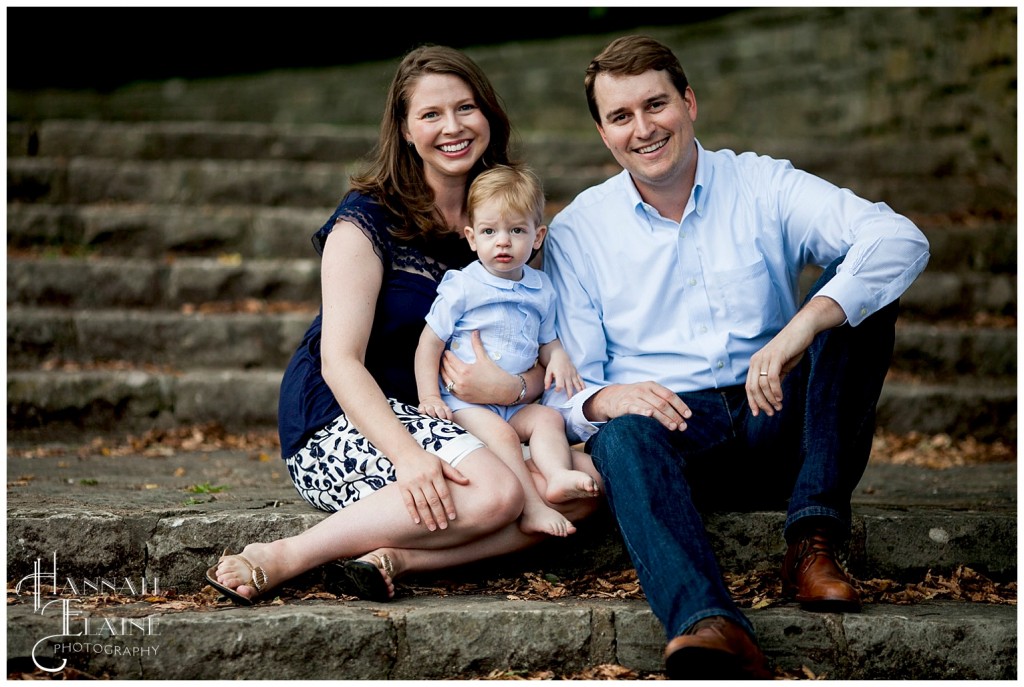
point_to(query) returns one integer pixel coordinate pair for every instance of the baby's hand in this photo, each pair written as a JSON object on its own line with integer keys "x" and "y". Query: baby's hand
{"x": 435, "y": 407}
{"x": 563, "y": 373}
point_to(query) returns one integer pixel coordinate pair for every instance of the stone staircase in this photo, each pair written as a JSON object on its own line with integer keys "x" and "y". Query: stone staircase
{"x": 160, "y": 274}
{"x": 181, "y": 253}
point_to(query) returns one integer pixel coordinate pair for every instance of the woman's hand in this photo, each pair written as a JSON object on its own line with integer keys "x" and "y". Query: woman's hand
{"x": 422, "y": 478}
{"x": 480, "y": 382}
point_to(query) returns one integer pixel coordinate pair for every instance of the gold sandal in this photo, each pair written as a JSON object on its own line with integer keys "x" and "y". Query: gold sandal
{"x": 258, "y": 579}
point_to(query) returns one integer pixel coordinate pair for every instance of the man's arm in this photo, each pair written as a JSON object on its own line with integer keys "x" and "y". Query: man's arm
{"x": 884, "y": 252}
{"x": 770, "y": 365}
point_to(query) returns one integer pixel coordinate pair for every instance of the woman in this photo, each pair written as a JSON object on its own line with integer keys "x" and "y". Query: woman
{"x": 408, "y": 492}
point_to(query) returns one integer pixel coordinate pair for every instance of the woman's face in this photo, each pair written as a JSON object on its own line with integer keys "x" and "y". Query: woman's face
{"x": 446, "y": 126}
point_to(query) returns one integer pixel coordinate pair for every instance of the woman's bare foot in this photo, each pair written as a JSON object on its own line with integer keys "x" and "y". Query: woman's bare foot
{"x": 237, "y": 571}
{"x": 538, "y": 518}
{"x": 567, "y": 485}
{"x": 389, "y": 562}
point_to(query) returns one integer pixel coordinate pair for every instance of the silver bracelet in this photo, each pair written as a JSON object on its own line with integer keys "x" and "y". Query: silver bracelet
{"x": 522, "y": 391}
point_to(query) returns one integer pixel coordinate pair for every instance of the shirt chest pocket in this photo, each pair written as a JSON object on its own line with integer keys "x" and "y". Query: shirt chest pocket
{"x": 746, "y": 299}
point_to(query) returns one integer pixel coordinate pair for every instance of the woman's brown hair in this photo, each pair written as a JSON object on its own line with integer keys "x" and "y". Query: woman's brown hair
{"x": 395, "y": 174}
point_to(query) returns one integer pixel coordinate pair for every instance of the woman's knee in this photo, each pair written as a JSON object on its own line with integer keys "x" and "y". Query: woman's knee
{"x": 494, "y": 494}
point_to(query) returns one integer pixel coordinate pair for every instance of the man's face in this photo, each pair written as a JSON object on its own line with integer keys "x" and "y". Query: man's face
{"x": 648, "y": 127}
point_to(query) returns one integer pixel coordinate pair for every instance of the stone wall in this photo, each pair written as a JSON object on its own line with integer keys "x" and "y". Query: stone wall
{"x": 912, "y": 106}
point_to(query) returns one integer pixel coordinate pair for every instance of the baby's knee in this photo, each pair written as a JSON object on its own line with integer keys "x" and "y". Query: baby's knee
{"x": 504, "y": 440}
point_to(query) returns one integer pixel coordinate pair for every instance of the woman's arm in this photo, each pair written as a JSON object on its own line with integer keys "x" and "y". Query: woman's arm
{"x": 351, "y": 279}
{"x": 485, "y": 383}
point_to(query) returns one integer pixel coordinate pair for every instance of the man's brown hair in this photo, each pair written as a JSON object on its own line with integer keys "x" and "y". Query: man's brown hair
{"x": 630, "y": 56}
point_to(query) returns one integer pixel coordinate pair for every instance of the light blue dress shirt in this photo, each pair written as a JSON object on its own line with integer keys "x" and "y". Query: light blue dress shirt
{"x": 686, "y": 304}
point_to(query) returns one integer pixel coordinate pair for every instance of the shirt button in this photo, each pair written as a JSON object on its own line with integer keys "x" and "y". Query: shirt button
{"x": 692, "y": 282}
{"x": 720, "y": 365}
{"x": 863, "y": 311}
{"x": 455, "y": 345}
{"x": 703, "y": 329}
{"x": 496, "y": 355}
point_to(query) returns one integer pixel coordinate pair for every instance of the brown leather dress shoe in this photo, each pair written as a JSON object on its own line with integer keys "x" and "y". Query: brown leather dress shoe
{"x": 811, "y": 575}
{"x": 715, "y": 648}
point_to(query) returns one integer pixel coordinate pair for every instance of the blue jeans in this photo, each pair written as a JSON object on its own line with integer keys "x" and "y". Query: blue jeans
{"x": 811, "y": 454}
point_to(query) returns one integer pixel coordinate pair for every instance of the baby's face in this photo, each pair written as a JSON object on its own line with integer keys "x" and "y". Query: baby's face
{"x": 503, "y": 240}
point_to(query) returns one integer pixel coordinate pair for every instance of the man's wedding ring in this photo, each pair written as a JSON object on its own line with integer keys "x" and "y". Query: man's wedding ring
{"x": 762, "y": 374}
{"x": 449, "y": 386}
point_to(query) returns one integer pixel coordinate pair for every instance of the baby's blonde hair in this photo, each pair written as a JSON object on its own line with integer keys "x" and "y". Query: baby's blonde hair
{"x": 517, "y": 188}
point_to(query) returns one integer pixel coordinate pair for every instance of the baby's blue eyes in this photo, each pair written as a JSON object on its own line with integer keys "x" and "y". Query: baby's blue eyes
{"x": 514, "y": 230}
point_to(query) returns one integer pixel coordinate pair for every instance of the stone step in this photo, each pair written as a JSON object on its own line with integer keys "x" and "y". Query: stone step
{"x": 249, "y": 340}
{"x": 153, "y": 230}
{"x": 168, "y": 284}
{"x": 906, "y": 521}
{"x": 188, "y": 140}
{"x": 939, "y": 352}
{"x": 160, "y": 338}
{"x": 107, "y": 282}
{"x": 477, "y": 637}
{"x": 100, "y": 399}
{"x": 190, "y": 182}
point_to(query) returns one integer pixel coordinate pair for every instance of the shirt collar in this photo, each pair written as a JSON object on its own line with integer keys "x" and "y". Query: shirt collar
{"x": 698, "y": 194}
{"x": 701, "y": 181}
{"x": 530, "y": 280}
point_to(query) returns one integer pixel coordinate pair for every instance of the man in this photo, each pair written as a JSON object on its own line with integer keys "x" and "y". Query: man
{"x": 708, "y": 385}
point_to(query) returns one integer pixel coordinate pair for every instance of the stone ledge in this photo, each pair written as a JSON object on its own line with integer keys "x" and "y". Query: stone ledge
{"x": 127, "y": 400}
{"x": 464, "y": 637}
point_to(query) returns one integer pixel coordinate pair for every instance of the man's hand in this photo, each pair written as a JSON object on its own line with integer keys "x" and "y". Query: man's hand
{"x": 642, "y": 398}
{"x": 770, "y": 365}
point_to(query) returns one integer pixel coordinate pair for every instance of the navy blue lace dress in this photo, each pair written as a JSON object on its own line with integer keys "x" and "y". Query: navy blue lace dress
{"x": 412, "y": 271}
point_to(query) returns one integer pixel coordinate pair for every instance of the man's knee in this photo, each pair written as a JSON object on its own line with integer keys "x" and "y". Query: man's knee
{"x": 622, "y": 438}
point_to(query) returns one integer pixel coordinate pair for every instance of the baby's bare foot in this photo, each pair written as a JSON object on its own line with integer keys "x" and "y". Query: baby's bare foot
{"x": 567, "y": 485}
{"x": 543, "y": 520}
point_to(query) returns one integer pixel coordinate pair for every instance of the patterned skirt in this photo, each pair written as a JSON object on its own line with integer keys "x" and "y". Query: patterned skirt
{"x": 338, "y": 465}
